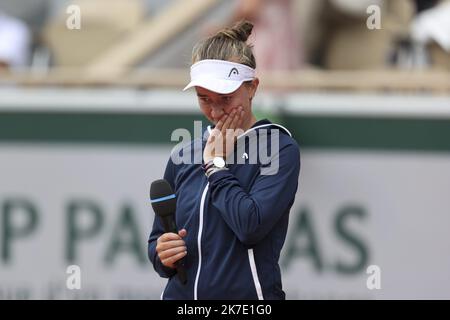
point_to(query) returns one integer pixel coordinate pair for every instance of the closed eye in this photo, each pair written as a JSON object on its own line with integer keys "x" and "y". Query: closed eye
{"x": 204, "y": 99}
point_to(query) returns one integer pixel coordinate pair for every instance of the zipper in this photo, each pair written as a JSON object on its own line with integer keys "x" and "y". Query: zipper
{"x": 251, "y": 258}
{"x": 199, "y": 240}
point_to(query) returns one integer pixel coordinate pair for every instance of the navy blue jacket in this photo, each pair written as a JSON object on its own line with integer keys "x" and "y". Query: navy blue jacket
{"x": 236, "y": 220}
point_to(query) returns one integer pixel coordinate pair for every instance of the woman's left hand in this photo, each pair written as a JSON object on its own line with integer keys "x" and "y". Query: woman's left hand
{"x": 222, "y": 138}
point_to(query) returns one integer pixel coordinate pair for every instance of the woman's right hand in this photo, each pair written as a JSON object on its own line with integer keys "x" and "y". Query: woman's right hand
{"x": 171, "y": 248}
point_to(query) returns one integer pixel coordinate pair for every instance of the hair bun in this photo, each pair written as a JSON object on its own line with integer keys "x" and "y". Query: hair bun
{"x": 240, "y": 31}
{"x": 229, "y": 44}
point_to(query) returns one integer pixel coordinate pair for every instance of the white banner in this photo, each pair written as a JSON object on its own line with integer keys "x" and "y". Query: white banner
{"x": 63, "y": 205}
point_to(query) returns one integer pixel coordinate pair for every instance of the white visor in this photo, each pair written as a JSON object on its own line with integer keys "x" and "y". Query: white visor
{"x": 219, "y": 76}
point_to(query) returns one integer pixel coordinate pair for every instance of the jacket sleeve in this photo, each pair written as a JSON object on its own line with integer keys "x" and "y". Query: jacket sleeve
{"x": 158, "y": 230}
{"x": 252, "y": 215}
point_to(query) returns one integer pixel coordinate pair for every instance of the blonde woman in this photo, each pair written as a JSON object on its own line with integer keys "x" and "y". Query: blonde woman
{"x": 233, "y": 208}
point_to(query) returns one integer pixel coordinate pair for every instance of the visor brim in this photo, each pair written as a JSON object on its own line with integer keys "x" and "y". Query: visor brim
{"x": 216, "y": 85}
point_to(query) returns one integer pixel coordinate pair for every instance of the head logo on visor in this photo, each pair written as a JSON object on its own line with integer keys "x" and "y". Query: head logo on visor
{"x": 233, "y": 71}
{"x": 219, "y": 76}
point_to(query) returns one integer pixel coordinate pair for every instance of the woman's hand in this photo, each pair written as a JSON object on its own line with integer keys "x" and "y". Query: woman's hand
{"x": 171, "y": 248}
{"x": 222, "y": 138}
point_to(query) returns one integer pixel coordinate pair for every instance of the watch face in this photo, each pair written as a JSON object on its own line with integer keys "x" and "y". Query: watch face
{"x": 219, "y": 162}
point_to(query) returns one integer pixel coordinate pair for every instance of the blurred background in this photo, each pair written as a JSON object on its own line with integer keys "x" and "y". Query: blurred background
{"x": 90, "y": 93}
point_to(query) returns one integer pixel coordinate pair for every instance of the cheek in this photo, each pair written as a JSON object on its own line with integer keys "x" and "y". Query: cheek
{"x": 206, "y": 112}
{"x": 244, "y": 102}
{"x": 240, "y": 101}
{"x": 230, "y": 107}
{"x": 204, "y": 108}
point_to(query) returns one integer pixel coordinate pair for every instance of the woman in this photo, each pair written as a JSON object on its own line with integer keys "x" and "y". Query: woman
{"x": 233, "y": 209}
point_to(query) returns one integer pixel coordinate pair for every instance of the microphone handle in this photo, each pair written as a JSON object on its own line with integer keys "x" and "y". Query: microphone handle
{"x": 181, "y": 271}
{"x": 170, "y": 226}
{"x": 169, "y": 223}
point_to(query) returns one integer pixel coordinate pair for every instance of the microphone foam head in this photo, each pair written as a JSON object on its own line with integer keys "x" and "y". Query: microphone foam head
{"x": 162, "y": 197}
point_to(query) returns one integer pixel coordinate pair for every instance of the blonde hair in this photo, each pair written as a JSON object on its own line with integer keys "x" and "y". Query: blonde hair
{"x": 228, "y": 44}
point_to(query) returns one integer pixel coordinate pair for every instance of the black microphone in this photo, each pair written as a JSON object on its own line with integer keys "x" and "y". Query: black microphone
{"x": 164, "y": 204}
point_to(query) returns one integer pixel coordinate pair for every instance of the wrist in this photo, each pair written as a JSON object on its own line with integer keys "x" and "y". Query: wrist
{"x": 219, "y": 161}
{"x": 213, "y": 165}
{"x": 208, "y": 164}
{"x": 208, "y": 159}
